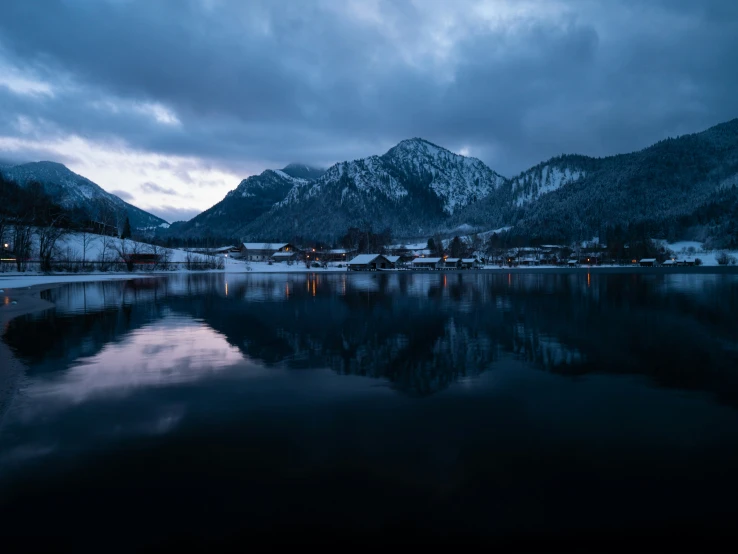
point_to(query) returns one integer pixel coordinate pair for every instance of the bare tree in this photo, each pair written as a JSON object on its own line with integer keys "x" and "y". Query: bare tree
{"x": 162, "y": 256}
{"x": 106, "y": 252}
{"x": 48, "y": 236}
{"x": 4, "y": 229}
{"x": 126, "y": 251}
{"x": 22, "y": 244}
{"x": 88, "y": 239}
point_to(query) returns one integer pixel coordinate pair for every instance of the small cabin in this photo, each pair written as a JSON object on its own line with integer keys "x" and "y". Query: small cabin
{"x": 469, "y": 263}
{"x": 335, "y": 255}
{"x": 452, "y": 263}
{"x": 647, "y": 262}
{"x": 396, "y": 261}
{"x": 263, "y": 251}
{"x": 529, "y": 261}
{"x": 283, "y": 257}
{"x": 369, "y": 262}
{"x": 427, "y": 263}
{"x": 142, "y": 259}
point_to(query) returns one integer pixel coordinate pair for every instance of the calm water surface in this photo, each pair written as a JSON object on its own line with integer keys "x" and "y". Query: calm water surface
{"x": 202, "y": 407}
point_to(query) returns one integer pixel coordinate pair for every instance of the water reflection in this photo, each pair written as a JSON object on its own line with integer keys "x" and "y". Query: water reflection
{"x": 169, "y": 351}
{"x": 419, "y": 332}
{"x": 473, "y": 402}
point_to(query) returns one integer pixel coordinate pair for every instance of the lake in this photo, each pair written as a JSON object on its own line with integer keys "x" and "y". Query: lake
{"x": 494, "y": 406}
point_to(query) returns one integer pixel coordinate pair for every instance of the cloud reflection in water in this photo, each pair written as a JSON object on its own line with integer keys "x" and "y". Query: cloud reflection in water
{"x": 174, "y": 350}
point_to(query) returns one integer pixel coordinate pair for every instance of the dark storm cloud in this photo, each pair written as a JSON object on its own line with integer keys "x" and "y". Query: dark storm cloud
{"x": 158, "y": 189}
{"x": 122, "y": 194}
{"x": 263, "y": 83}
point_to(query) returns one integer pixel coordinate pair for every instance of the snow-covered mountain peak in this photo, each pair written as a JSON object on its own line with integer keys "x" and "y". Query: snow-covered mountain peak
{"x": 303, "y": 171}
{"x": 268, "y": 179}
{"x": 415, "y": 147}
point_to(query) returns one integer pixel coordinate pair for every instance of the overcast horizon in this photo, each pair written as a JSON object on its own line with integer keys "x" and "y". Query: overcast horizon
{"x": 170, "y": 104}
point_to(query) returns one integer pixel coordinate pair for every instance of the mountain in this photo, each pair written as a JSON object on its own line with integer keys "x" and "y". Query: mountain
{"x": 679, "y": 188}
{"x": 302, "y": 171}
{"x": 661, "y": 187}
{"x": 413, "y": 188}
{"x": 71, "y": 190}
{"x": 515, "y": 196}
{"x": 250, "y": 199}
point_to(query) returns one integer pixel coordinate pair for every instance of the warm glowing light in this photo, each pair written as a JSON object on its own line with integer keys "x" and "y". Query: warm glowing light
{"x": 5, "y": 245}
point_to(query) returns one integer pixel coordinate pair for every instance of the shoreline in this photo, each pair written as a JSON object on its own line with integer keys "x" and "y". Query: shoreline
{"x": 29, "y": 301}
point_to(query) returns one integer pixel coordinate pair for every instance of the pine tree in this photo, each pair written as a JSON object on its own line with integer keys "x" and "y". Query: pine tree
{"x": 457, "y": 248}
{"x": 126, "y": 234}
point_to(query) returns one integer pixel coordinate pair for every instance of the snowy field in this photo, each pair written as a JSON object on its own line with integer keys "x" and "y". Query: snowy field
{"x": 694, "y": 249}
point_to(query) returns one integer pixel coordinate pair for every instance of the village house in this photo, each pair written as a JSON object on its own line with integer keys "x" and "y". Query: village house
{"x": 369, "y": 262}
{"x": 284, "y": 257}
{"x": 263, "y": 251}
{"x": 427, "y": 263}
{"x": 469, "y": 263}
{"x": 396, "y": 261}
{"x": 452, "y": 263}
{"x": 225, "y": 251}
{"x": 335, "y": 255}
{"x": 647, "y": 262}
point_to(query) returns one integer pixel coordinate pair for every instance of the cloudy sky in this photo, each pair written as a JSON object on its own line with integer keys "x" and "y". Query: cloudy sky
{"x": 170, "y": 103}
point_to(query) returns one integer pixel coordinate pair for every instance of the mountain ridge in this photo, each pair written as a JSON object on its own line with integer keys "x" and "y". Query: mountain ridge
{"x": 72, "y": 190}
{"x": 417, "y": 188}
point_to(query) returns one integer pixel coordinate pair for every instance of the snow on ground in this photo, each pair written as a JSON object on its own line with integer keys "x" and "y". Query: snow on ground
{"x": 486, "y": 234}
{"x": 74, "y": 243}
{"x": 694, "y": 249}
{"x": 682, "y": 247}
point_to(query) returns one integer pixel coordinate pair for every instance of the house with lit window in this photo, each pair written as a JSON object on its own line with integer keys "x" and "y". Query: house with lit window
{"x": 263, "y": 251}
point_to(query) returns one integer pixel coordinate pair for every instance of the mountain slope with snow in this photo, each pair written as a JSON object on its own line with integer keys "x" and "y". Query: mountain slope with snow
{"x": 253, "y": 197}
{"x": 413, "y": 188}
{"x": 661, "y": 187}
{"x": 74, "y": 191}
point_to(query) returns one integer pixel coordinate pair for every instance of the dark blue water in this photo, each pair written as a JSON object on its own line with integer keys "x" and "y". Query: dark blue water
{"x": 498, "y": 407}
